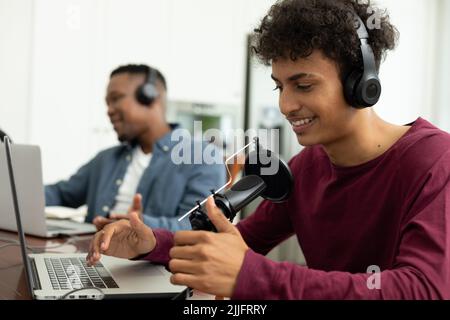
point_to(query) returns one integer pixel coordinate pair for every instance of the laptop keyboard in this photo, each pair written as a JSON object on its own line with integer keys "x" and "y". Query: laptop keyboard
{"x": 74, "y": 273}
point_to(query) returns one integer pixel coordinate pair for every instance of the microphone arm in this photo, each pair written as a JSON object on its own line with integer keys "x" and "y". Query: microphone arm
{"x": 275, "y": 187}
{"x": 230, "y": 202}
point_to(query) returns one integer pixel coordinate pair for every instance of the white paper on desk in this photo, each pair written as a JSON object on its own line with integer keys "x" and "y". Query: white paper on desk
{"x": 58, "y": 212}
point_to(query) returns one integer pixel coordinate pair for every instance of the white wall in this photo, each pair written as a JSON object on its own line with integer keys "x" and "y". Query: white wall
{"x": 199, "y": 45}
{"x": 407, "y": 74}
{"x": 65, "y": 92}
{"x": 15, "y": 54}
{"x": 56, "y": 55}
{"x": 443, "y": 81}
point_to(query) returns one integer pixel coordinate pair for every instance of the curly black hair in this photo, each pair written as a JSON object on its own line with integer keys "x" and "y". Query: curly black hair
{"x": 295, "y": 28}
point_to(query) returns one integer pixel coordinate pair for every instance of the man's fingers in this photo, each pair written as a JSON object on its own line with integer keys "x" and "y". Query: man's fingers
{"x": 217, "y": 217}
{"x": 138, "y": 226}
{"x": 97, "y": 222}
{"x": 118, "y": 216}
{"x": 182, "y": 238}
{"x": 184, "y": 279}
{"x": 90, "y": 251}
{"x": 94, "y": 253}
{"x": 137, "y": 204}
{"x": 183, "y": 252}
{"x": 105, "y": 238}
{"x": 100, "y": 222}
{"x": 183, "y": 266}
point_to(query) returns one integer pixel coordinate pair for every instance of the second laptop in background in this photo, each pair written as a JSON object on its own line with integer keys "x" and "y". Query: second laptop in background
{"x": 26, "y": 161}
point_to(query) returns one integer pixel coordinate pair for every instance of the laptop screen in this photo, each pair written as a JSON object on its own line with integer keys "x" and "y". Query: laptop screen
{"x": 30, "y": 280}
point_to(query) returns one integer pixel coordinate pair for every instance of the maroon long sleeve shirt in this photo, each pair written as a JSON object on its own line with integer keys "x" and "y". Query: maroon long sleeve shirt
{"x": 391, "y": 213}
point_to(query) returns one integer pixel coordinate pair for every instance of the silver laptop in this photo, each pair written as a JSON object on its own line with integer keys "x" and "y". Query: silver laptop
{"x": 26, "y": 161}
{"x": 55, "y": 276}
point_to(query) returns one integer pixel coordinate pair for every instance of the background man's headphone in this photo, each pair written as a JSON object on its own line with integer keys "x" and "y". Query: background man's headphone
{"x": 362, "y": 88}
{"x": 147, "y": 92}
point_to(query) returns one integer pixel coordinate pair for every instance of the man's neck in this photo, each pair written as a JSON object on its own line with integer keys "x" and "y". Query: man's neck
{"x": 148, "y": 140}
{"x": 370, "y": 138}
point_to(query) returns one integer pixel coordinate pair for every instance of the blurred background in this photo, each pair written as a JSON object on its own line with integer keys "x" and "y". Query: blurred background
{"x": 56, "y": 57}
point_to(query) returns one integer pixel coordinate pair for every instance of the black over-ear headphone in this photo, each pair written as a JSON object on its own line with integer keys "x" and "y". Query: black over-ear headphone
{"x": 362, "y": 88}
{"x": 147, "y": 92}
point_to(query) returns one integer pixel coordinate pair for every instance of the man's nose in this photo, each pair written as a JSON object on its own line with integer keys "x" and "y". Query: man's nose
{"x": 111, "y": 109}
{"x": 289, "y": 103}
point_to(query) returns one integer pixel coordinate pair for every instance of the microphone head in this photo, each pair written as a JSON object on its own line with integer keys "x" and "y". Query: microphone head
{"x": 273, "y": 170}
{"x": 265, "y": 175}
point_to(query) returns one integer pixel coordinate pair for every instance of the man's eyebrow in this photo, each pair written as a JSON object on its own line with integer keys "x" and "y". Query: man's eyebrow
{"x": 114, "y": 92}
{"x": 294, "y": 77}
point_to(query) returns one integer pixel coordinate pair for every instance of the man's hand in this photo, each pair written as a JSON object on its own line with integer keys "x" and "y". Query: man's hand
{"x": 125, "y": 238}
{"x": 207, "y": 261}
{"x": 100, "y": 222}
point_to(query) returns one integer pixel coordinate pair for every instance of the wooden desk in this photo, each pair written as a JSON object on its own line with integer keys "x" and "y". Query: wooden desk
{"x": 12, "y": 274}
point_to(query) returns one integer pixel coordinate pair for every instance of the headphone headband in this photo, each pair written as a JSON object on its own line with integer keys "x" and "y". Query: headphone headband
{"x": 151, "y": 77}
{"x": 360, "y": 28}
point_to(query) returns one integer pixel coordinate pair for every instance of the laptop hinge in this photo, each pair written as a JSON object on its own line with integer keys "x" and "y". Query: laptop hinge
{"x": 34, "y": 274}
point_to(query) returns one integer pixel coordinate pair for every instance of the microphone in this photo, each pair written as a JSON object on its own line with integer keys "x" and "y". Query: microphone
{"x": 265, "y": 174}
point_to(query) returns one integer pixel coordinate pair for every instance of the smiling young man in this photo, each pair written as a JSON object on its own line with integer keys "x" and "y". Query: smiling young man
{"x": 368, "y": 195}
{"x": 312, "y": 101}
{"x": 141, "y": 164}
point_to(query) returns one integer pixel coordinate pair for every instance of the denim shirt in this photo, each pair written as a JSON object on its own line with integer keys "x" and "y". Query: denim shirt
{"x": 168, "y": 190}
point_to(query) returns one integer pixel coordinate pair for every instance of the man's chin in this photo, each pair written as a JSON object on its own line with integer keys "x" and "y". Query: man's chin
{"x": 125, "y": 139}
{"x": 122, "y": 138}
{"x": 304, "y": 142}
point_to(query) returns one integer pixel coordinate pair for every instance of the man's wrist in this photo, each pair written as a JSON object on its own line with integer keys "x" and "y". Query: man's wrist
{"x": 141, "y": 256}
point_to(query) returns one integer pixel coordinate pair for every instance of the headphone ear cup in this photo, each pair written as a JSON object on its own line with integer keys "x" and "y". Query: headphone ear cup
{"x": 146, "y": 94}
{"x": 368, "y": 92}
{"x": 350, "y": 87}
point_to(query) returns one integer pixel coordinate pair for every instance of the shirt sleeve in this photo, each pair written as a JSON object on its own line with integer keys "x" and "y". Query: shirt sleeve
{"x": 421, "y": 269}
{"x": 202, "y": 180}
{"x": 72, "y": 192}
{"x": 267, "y": 227}
{"x": 169, "y": 223}
{"x": 164, "y": 242}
